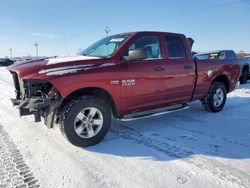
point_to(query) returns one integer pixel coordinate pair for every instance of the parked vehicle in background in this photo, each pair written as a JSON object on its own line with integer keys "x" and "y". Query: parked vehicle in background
{"x": 5, "y": 62}
{"x": 221, "y": 54}
{"x": 29, "y": 58}
{"x": 127, "y": 76}
{"x": 244, "y": 69}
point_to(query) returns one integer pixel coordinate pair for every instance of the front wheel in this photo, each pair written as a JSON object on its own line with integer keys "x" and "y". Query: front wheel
{"x": 216, "y": 98}
{"x": 85, "y": 121}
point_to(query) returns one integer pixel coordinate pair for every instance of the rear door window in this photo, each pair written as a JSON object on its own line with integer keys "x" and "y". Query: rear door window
{"x": 176, "y": 49}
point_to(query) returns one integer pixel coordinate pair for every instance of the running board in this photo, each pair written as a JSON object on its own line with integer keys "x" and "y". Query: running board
{"x": 171, "y": 110}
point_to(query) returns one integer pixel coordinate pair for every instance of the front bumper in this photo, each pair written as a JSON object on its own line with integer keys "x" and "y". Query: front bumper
{"x": 31, "y": 103}
{"x": 38, "y": 98}
{"x": 31, "y": 106}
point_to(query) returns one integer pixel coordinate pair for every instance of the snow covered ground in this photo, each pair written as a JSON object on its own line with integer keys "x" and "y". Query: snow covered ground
{"x": 189, "y": 148}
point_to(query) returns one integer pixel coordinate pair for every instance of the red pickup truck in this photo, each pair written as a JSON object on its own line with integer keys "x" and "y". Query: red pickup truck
{"x": 127, "y": 76}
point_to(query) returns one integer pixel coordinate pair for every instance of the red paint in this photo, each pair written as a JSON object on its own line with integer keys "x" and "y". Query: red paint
{"x": 153, "y": 89}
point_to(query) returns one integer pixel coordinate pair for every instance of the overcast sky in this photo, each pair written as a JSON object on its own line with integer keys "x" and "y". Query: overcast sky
{"x": 63, "y": 27}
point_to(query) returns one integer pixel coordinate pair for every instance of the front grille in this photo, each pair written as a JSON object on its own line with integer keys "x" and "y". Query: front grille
{"x": 16, "y": 84}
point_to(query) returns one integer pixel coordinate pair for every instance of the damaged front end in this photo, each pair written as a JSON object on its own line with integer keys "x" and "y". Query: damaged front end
{"x": 36, "y": 97}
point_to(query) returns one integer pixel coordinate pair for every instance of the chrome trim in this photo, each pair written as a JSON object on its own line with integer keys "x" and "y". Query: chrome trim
{"x": 185, "y": 107}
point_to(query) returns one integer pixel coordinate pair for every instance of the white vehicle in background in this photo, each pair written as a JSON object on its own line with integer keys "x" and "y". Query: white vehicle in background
{"x": 244, "y": 69}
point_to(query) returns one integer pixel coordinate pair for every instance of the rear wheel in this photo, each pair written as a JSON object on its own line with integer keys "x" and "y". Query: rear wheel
{"x": 244, "y": 76}
{"x": 85, "y": 121}
{"x": 216, "y": 98}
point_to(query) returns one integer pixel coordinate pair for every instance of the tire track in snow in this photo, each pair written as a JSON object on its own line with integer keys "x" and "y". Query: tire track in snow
{"x": 223, "y": 139}
{"x": 220, "y": 171}
{"x": 13, "y": 170}
{"x": 217, "y": 169}
{"x": 95, "y": 175}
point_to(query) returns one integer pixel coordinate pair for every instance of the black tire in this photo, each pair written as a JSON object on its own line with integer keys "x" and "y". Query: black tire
{"x": 69, "y": 115}
{"x": 209, "y": 101}
{"x": 244, "y": 76}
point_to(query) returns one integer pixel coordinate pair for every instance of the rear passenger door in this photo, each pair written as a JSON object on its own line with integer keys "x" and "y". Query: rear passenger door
{"x": 180, "y": 70}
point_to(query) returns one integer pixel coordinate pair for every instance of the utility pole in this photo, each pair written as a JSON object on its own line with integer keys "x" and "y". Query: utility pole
{"x": 36, "y": 45}
{"x": 10, "y": 53}
{"x": 65, "y": 44}
{"x": 107, "y": 30}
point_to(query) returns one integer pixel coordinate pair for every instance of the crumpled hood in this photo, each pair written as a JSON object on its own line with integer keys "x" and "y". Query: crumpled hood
{"x": 55, "y": 66}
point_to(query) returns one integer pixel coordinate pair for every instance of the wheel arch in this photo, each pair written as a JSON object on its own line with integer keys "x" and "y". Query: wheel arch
{"x": 223, "y": 79}
{"x": 92, "y": 91}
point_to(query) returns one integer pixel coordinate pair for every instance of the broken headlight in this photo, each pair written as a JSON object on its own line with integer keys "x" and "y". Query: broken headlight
{"x": 37, "y": 88}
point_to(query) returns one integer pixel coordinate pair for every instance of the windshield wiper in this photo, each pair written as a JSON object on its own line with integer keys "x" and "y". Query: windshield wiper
{"x": 84, "y": 54}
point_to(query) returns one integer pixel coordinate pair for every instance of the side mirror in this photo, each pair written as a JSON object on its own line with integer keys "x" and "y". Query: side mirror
{"x": 135, "y": 55}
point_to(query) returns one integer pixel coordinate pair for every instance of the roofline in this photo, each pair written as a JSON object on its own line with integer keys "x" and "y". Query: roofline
{"x": 149, "y": 32}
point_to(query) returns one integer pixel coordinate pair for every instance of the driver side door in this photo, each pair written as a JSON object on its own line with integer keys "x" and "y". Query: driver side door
{"x": 142, "y": 76}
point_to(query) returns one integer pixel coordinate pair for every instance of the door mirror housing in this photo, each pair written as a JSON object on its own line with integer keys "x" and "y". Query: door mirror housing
{"x": 135, "y": 55}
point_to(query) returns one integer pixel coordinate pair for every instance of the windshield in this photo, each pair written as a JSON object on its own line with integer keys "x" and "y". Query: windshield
{"x": 106, "y": 47}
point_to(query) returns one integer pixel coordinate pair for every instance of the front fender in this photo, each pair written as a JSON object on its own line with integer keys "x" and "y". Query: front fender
{"x": 67, "y": 85}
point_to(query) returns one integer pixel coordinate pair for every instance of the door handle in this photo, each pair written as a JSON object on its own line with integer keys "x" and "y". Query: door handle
{"x": 158, "y": 69}
{"x": 188, "y": 66}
